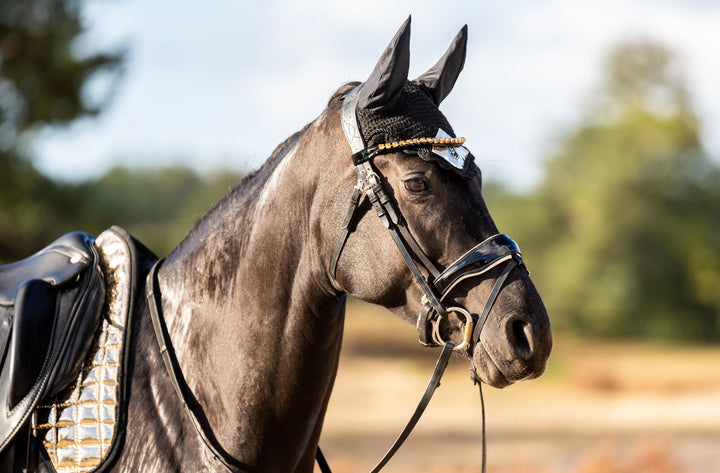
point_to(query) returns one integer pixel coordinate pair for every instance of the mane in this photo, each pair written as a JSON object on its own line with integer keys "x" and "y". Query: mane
{"x": 341, "y": 92}
{"x": 240, "y": 200}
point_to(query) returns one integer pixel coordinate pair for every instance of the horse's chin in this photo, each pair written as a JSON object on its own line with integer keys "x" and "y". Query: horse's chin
{"x": 488, "y": 373}
{"x": 497, "y": 374}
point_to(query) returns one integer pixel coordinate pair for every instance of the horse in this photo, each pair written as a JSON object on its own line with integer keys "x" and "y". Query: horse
{"x": 253, "y": 298}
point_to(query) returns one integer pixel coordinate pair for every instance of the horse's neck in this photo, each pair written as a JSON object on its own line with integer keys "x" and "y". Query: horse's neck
{"x": 257, "y": 336}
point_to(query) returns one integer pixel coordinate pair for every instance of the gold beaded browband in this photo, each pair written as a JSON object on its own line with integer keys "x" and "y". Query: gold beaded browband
{"x": 443, "y": 142}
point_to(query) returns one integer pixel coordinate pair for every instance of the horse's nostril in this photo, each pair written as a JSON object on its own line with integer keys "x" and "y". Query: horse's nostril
{"x": 521, "y": 338}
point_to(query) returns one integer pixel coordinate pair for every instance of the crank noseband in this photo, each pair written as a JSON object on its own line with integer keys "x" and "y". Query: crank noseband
{"x": 494, "y": 252}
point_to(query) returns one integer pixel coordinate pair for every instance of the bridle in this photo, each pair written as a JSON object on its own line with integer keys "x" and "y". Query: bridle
{"x": 479, "y": 260}
{"x": 493, "y": 252}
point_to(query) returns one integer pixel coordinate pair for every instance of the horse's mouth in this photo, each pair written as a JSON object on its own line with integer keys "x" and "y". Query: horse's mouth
{"x": 489, "y": 371}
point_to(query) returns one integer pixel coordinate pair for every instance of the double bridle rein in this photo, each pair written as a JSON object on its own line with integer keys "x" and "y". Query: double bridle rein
{"x": 489, "y": 254}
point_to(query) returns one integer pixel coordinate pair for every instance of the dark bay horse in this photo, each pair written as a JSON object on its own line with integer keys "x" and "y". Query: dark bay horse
{"x": 254, "y": 299}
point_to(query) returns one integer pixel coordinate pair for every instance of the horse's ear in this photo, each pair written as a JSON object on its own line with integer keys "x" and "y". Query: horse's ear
{"x": 441, "y": 78}
{"x": 390, "y": 73}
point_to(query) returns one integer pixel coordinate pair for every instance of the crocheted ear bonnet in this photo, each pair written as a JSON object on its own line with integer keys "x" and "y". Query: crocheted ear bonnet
{"x": 388, "y": 111}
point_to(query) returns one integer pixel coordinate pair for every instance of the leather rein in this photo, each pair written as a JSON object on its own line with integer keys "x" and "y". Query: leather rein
{"x": 491, "y": 253}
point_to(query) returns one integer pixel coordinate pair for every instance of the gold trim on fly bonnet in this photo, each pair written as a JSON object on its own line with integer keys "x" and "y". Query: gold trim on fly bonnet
{"x": 441, "y": 142}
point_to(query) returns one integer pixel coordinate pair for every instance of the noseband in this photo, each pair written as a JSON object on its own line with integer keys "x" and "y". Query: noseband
{"x": 491, "y": 253}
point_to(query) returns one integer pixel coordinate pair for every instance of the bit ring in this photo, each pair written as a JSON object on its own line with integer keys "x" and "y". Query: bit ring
{"x": 469, "y": 327}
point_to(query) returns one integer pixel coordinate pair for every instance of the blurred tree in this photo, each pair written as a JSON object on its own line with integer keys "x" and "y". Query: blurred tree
{"x": 628, "y": 214}
{"x": 43, "y": 81}
{"x": 157, "y": 206}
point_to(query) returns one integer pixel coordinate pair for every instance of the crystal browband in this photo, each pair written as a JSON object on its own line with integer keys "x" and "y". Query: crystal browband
{"x": 443, "y": 142}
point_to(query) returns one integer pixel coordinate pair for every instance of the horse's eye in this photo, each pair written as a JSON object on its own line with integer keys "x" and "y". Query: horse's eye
{"x": 416, "y": 185}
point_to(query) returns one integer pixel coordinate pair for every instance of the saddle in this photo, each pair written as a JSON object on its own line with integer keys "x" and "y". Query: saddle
{"x": 50, "y": 306}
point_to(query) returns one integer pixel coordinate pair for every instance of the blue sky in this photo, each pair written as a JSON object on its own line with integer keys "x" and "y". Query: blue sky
{"x": 218, "y": 84}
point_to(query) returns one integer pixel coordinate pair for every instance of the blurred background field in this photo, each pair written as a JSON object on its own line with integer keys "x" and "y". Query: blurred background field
{"x": 602, "y": 406}
{"x": 613, "y": 195}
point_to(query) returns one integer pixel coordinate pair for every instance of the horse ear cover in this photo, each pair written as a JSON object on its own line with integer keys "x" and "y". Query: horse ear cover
{"x": 441, "y": 78}
{"x": 391, "y": 108}
{"x": 390, "y": 74}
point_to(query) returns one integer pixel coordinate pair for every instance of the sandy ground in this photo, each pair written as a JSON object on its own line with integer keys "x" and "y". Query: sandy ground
{"x": 601, "y": 407}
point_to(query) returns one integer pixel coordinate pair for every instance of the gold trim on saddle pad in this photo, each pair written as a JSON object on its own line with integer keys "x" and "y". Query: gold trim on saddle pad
{"x": 79, "y": 426}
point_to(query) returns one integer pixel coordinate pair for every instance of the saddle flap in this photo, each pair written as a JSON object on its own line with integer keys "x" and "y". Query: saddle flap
{"x": 54, "y": 300}
{"x": 30, "y": 336}
{"x": 6, "y": 319}
{"x": 86, "y": 302}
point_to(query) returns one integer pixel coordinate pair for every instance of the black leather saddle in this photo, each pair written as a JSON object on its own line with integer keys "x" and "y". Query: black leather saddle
{"x": 50, "y": 306}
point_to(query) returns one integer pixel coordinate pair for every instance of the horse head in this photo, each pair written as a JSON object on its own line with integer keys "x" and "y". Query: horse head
{"x": 443, "y": 264}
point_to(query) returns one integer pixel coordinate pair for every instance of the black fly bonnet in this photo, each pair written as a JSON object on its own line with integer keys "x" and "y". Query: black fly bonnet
{"x": 388, "y": 113}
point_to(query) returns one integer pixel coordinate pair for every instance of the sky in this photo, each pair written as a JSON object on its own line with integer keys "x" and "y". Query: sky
{"x": 218, "y": 84}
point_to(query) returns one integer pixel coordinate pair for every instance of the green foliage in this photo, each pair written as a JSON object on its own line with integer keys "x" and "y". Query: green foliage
{"x": 157, "y": 206}
{"x": 622, "y": 235}
{"x": 32, "y": 208}
{"x": 42, "y": 83}
{"x": 41, "y": 75}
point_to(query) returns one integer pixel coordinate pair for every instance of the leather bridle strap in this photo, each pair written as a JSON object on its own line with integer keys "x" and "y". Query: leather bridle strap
{"x": 369, "y": 184}
{"x": 499, "y": 282}
{"x": 432, "y": 385}
{"x": 192, "y": 407}
{"x": 348, "y": 223}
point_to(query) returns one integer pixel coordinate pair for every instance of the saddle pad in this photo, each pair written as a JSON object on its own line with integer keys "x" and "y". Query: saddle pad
{"x": 79, "y": 427}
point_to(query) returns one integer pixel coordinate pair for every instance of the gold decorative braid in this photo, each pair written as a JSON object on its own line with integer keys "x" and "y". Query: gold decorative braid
{"x": 443, "y": 142}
